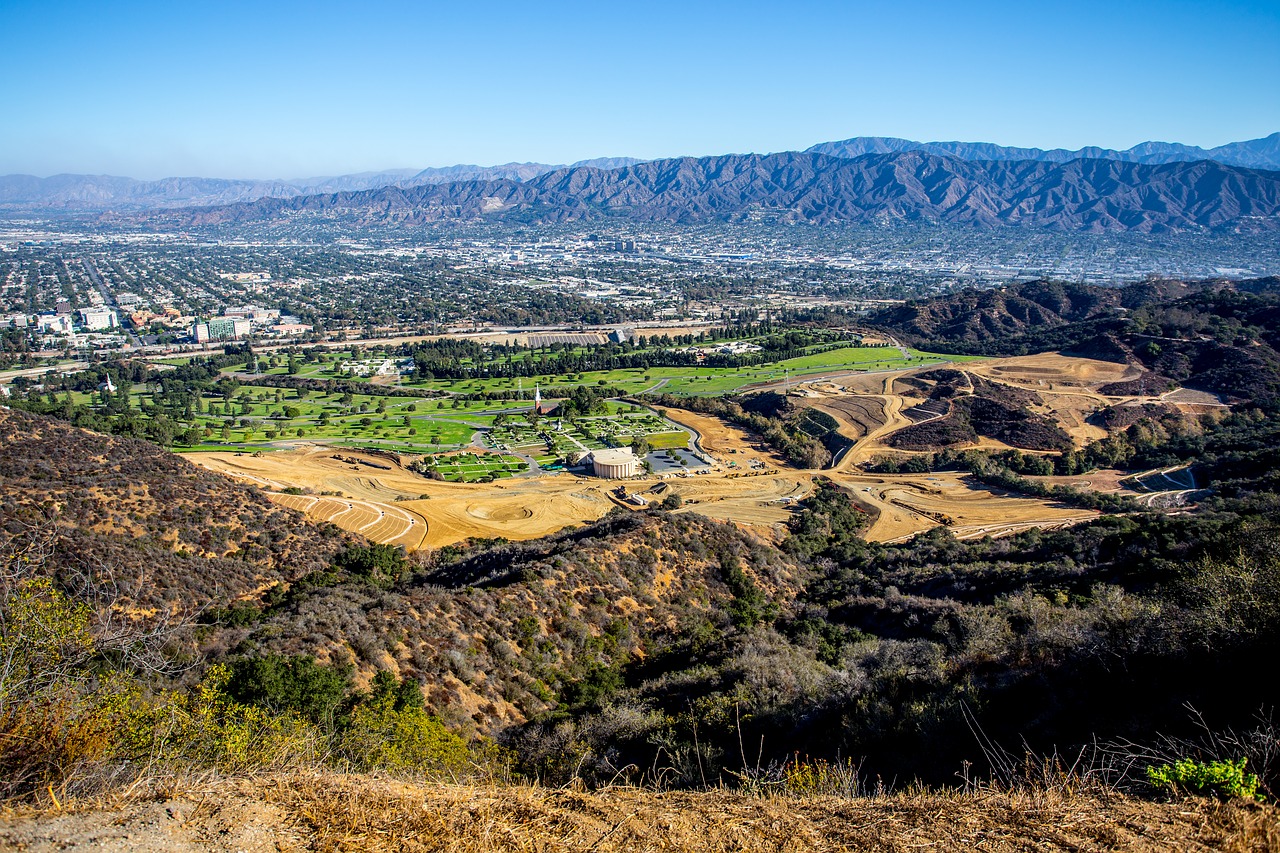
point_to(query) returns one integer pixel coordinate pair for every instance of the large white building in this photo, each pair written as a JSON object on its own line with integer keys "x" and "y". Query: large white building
{"x": 97, "y": 319}
{"x": 615, "y": 463}
{"x": 54, "y": 324}
{"x": 221, "y": 329}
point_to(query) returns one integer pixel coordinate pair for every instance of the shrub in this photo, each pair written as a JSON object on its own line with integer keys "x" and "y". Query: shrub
{"x": 380, "y": 565}
{"x": 208, "y": 728}
{"x": 1217, "y": 778}
{"x": 807, "y": 777}
{"x": 389, "y": 729}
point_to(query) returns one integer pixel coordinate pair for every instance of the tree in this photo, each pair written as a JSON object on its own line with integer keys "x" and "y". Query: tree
{"x": 380, "y": 565}
{"x": 282, "y": 683}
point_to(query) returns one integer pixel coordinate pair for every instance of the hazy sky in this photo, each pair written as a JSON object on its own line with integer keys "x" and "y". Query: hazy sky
{"x": 283, "y": 89}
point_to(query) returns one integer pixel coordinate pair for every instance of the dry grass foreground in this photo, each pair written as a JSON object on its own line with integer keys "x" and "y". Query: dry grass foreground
{"x": 351, "y": 813}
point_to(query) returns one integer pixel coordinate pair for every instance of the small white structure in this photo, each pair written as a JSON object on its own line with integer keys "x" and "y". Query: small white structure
{"x": 614, "y": 464}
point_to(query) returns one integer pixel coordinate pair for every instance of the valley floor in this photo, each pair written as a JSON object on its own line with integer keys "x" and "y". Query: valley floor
{"x": 331, "y": 812}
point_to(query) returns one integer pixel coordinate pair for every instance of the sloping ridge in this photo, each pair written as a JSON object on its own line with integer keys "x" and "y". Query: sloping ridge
{"x": 1092, "y": 195}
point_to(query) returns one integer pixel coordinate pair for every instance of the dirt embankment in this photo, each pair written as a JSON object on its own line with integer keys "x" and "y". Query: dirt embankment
{"x": 354, "y": 813}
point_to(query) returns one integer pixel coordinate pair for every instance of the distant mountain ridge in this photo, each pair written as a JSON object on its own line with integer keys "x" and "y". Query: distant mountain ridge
{"x": 87, "y": 193}
{"x": 1261, "y": 153}
{"x": 1090, "y": 195}
{"x": 107, "y": 192}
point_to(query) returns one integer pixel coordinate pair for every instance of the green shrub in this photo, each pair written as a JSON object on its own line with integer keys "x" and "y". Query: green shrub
{"x": 379, "y": 565}
{"x": 280, "y": 683}
{"x": 1219, "y": 778}
{"x": 208, "y": 728}
{"x": 389, "y": 729}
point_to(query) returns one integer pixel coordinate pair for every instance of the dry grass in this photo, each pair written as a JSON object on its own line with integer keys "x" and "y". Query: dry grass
{"x": 352, "y": 813}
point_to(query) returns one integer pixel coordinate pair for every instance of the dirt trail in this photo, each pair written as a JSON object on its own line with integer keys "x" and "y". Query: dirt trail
{"x": 865, "y": 447}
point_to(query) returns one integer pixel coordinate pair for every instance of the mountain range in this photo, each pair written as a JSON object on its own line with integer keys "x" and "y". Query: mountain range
{"x": 87, "y": 193}
{"x": 1088, "y": 194}
{"x": 76, "y": 193}
{"x": 1261, "y": 153}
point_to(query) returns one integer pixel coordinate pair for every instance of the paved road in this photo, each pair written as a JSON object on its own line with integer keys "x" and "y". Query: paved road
{"x": 109, "y": 299}
{"x": 8, "y": 376}
{"x": 658, "y": 386}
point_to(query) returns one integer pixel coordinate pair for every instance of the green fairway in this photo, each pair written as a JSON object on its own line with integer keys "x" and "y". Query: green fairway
{"x": 489, "y": 411}
{"x": 674, "y": 380}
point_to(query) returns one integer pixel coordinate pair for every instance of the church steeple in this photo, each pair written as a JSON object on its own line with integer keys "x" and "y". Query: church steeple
{"x": 537, "y": 400}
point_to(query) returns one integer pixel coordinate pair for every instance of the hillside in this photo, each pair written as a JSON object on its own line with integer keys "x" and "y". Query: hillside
{"x": 970, "y": 407}
{"x": 494, "y": 635}
{"x": 80, "y": 193}
{"x": 1089, "y": 195}
{"x": 167, "y": 533}
{"x": 1215, "y": 336}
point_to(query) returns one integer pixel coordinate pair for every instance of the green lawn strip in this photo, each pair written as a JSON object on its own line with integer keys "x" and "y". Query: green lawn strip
{"x": 667, "y": 440}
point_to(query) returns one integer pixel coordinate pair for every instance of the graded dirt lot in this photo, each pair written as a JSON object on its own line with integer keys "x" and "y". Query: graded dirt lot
{"x": 1052, "y": 371}
{"x": 520, "y": 509}
{"x": 756, "y": 500}
{"x": 404, "y": 508}
{"x": 909, "y": 504}
{"x": 726, "y": 441}
{"x": 379, "y": 522}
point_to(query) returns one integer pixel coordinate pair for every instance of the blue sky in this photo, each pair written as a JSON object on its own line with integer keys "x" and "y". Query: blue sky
{"x": 290, "y": 89}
